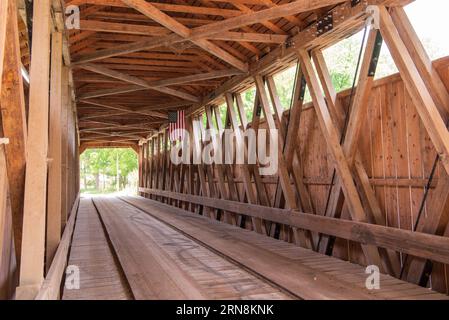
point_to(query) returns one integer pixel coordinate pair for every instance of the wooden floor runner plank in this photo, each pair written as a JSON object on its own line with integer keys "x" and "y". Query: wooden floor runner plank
{"x": 161, "y": 263}
{"x": 283, "y": 267}
{"x": 100, "y": 275}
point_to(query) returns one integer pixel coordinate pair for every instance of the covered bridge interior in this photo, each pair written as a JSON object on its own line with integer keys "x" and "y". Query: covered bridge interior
{"x": 362, "y": 175}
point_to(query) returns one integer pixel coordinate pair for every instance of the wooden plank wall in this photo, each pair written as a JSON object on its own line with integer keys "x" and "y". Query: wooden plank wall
{"x": 395, "y": 150}
{"x": 60, "y": 162}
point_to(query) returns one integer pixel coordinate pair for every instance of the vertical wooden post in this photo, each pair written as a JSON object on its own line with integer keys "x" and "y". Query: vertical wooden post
{"x": 70, "y": 158}
{"x": 141, "y": 166}
{"x": 151, "y": 161}
{"x": 3, "y": 26}
{"x": 65, "y": 96}
{"x": 5, "y": 211}
{"x": 33, "y": 240}
{"x": 7, "y": 258}
{"x": 13, "y": 115}
{"x": 77, "y": 159}
{"x": 146, "y": 166}
{"x": 165, "y": 159}
{"x": 54, "y": 151}
{"x": 3, "y": 172}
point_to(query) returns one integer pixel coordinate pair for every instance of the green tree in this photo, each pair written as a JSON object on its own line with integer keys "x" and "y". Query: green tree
{"x": 112, "y": 166}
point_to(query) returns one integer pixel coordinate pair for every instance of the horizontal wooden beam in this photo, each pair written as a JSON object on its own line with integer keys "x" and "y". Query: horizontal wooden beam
{"x": 112, "y": 27}
{"x": 249, "y": 37}
{"x": 195, "y": 78}
{"x": 414, "y": 243}
{"x": 107, "y": 144}
{"x": 167, "y": 7}
{"x": 159, "y": 83}
{"x": 117, "y": 125}
{"x": 137, "y": 81}
{"x": 138, "y": 29}
{"x": 150, "y": 113}
{"x": 110, "y": 92}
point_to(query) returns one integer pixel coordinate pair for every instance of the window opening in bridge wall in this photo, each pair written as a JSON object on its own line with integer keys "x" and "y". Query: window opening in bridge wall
{"x": 430, "y": 25}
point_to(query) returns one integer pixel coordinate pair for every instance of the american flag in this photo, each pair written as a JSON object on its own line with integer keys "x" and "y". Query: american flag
{"x": 176, "y": 125}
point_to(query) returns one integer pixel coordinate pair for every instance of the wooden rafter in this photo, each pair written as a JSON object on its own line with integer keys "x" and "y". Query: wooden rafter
{"x": 155, "y": 14}
{"x": 140, "y": 82}
{"x": 208, "y": 30}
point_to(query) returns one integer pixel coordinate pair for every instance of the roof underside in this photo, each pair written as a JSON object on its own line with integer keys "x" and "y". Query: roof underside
{"x": 125, "y": 97}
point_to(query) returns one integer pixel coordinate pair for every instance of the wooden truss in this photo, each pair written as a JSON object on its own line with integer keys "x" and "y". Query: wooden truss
{"x": 135, "y": 60}
{"x": 353, "y": 188}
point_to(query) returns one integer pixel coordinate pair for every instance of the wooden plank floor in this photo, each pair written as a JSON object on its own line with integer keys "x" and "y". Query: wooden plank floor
{"x": 168, "y": 253}
{"x": 161, "y": 263}
{"x": 302, "y": 272}
{"x": 100, "y": 274}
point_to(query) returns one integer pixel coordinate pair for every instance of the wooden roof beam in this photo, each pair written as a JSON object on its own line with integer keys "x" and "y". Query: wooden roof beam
{"x": 99, "y": 139}
{"x": 116, "y": 124}
{"x": 155, "y": 14}
{"x": 137, "y": 29}
{"x": 135, "y": 80}
{"x": 249, "y": 37}
{"x": 345, "y": 17}
{"x": 267, "y": 24}
{"x": 102, "y": 26}
{"x": 160, "y": 83}
{"x": 113, "y": 134}
{"x": 210, "y": 29}
{"x": 109, "y": 92}
{"x": 125, "y": 109}
{"x": 166, "y": 7}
